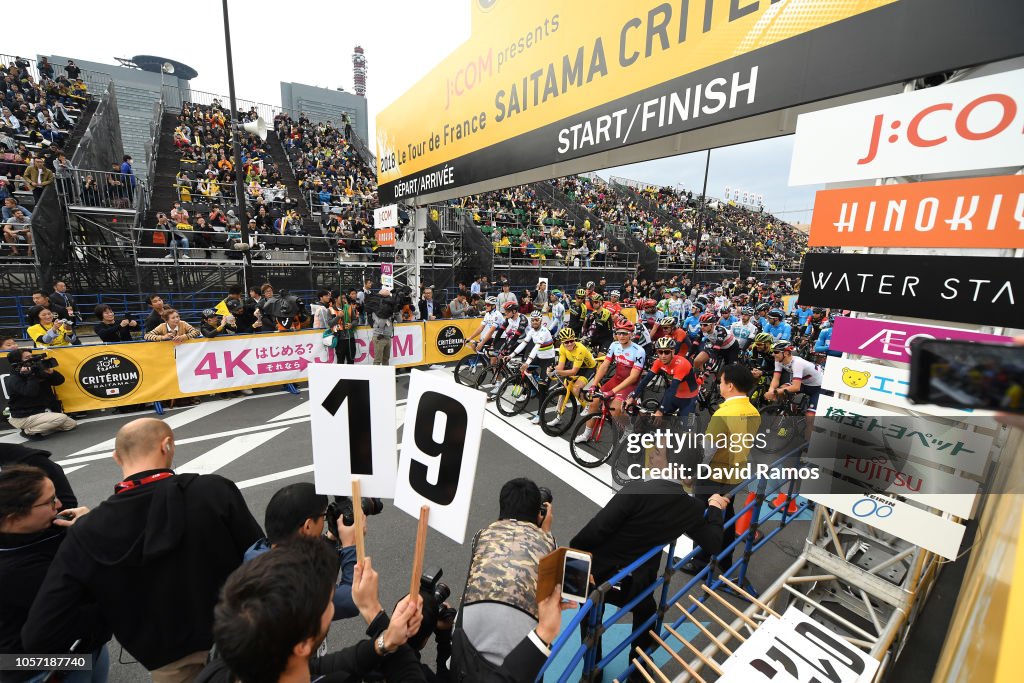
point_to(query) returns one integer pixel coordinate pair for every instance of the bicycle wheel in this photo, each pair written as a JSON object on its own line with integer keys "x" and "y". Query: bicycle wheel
{"x": 598, "y": 449}
{"x": 470, "y": 370}
{"x": 558, "y": 411}
{"x": 512, "y": 396}
{"x": 779, "y": 429}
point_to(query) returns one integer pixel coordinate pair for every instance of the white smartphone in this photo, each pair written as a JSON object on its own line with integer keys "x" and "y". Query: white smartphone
{"x": 576, "y": 576}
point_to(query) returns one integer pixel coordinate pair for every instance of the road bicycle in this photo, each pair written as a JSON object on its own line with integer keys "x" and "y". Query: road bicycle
{"x": 596, "y": 450}
{"x": 559, "y": 409}
{"x": 642, "y": 420}
{"x": 472, "y": 369}
{"x": 515, "y": 391}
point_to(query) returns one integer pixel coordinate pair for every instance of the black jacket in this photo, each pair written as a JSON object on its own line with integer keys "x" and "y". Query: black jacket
{"x": 154, "y": 558}
{"x": 32, "y": 394}
{"x": 112, "y": 334}
{"x": 24, "y": 558}
{"x": 152, "y": 322}
{"x": 641, "y": 515}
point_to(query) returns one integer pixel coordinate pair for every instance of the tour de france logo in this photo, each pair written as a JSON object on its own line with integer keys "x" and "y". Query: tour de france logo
{"x": 450, "y": 340}
{"x": 486, "y": 4}
{"x": 109, "y": 376}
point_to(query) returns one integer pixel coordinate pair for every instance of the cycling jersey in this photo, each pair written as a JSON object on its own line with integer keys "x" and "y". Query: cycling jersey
{"x": 743, "y": 332}
{"x": 675, "y": 307}
{"x": 579, "y": 357}
{"x": 642, "y": 335}
{"x": 577, "y": 312}
{"x": 679, "y": 368}
{"x": 543, "y": 344}
{"x": 729, "y": 321}
{"x": 625, "y": 359}
{"x": 803, "y": 315}
{"x": 493, "y": 319}
{"x": 721, "y": 303}
{"x": 692, "y": 326}
{"x": 664, "y": 306}
{"x": 615, "y": 308}
{"x": 782, "y": 332}
{"x": 808, "y": 373}
{"x": 512, "y": 329}
{"x": 557, "y": 317}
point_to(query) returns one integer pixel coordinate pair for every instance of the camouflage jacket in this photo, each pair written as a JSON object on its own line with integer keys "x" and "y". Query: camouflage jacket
{"x": 504, "y": 564}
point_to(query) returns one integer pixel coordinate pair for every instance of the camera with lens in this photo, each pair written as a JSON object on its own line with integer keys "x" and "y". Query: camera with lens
{"x": 38, "y": 363}
{"x": 545, "y": 497}
{"x": 342, "y": 506}
{"x": 431, "y": 586}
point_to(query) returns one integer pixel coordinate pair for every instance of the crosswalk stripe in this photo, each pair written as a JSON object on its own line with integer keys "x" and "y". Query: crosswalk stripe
{"x": 226, "y": 453}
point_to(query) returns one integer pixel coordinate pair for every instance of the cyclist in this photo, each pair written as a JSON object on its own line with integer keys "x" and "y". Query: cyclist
{"x": 626, "y": 360}
{"x": 681, "y": 395}
{"x": 812, "y": 328}
{"x": 664, "y": 306}
{"x": 782, "y": 331}
{"x": 667, "y": 328}
{"x": 573, "y": 353}
{"x": 647, "y": 312}
{"x": 598, "y": 328}
{"x": 595, "y": 302}
{"x": 641, "y": 335}
{"x": 729, "y": 317}
{"x": 720, "y": 345}
{"x": 542, "y": 353}
{"x": 691, "y": 326}
{"x": 759, "y": 315}
{"x": 578, "y": 311}
{"x": 743, "y": 329}
{"x": 803, "y": 314}
{"x": 492, "y": 321}
{"x": 613, "y": 304}
{"x": 806, "y": 376}
{"x": 513, "y": 328}
{"x": 721, "y": 300}
{"x": 557, "y": 314}
{"x": 824, "y": 341}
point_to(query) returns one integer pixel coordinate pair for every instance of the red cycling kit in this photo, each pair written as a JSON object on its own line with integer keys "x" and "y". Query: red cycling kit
{"x": 625, "y": 360}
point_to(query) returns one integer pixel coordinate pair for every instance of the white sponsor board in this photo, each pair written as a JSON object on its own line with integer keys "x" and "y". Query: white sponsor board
{"x": 885, "y": 384}
{"x": 904, "y": 435}
{"x": 963, "y": 126}
{"x": 249, "y": 360}
{"x": 796, "y": 649}
{"x": 352, "y": 416}
{"x": 440, "y": 449}
{"x": 920, "y": 527}
{"x": 385, "y": 217}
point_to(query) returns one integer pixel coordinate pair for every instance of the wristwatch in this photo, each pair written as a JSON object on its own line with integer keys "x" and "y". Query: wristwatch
{"x": 378, "y": 646}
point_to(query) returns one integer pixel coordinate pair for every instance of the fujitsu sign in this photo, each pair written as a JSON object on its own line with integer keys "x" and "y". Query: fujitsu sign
{"x": 976, "y": 124}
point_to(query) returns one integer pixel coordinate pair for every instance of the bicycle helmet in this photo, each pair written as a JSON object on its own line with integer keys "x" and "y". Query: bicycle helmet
{"x": 746, "y": 310}
{"x": 764, "y": 338}
{"x": 720, "y": 338}
{"x": 665, "y": 343}
{"x": 702, "y": 301}
{"x": 624, "y": 324}
{"x": 698, "y": 307}
{"x": 781, "y": 346}
{"x": 667, "y": 322}
{"x": 596, "y": 298}
{"x": 491, "y": 301}
{"x": 580, "y": 293}
{"x": 557, "y": 293}
{"x": 566, "y": 334}
{"x": 708, "y": 319}
{"x": 818, "y": 311}
{"x": 615, "y": 292}
{"x": 590, "y": 284}
{"x": 510, "y": 307}
{"x": 776, "y": 313}
{"x": 536, "y": 315}
{"x": 761, "y": 308}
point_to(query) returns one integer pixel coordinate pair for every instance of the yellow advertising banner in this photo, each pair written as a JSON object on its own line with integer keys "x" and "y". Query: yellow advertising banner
{"x": 571, "y": 79}
{"x": 445, "y": 340}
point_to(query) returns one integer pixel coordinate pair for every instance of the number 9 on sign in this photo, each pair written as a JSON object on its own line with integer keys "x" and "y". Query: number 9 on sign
{"x": 440, "y": 448}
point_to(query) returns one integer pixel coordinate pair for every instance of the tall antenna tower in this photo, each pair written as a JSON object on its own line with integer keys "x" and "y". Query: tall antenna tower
{"x": 359, "y": 71}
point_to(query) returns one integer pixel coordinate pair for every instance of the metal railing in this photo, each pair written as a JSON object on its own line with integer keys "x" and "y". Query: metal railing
{"x": 100, "y": 190}
{"x": 703, "y": 263}
{"x": 609, "y": 261}
{"x": 593, "y": 610}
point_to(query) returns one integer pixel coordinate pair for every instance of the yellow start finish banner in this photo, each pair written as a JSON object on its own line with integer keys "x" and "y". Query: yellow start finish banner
{"x": 541, "y": 82}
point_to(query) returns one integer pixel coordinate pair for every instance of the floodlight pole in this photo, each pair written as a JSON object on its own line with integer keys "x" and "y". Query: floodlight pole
{"x": 236, "y": 149}
{"x": 700, "y": 216}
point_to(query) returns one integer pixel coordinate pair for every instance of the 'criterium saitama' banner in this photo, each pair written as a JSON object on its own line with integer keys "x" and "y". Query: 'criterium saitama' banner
{"x": 540, "y": 83}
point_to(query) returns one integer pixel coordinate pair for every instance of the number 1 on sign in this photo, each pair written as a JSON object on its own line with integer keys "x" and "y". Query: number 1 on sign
{"x": 360, "y": 445}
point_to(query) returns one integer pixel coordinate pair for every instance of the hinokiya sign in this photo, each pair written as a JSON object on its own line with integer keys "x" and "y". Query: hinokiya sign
{"x": 965, "y": 289}
{"x": 540, "y": 83}
{"x": 953, "y": 127}
{"x": 890, "y": 340}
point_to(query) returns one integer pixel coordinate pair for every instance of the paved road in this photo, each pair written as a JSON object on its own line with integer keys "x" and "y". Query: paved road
{"x": 263, "y": 442}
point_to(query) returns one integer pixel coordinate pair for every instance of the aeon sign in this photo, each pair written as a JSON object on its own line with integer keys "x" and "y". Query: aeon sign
{"x": 975, "y": 124}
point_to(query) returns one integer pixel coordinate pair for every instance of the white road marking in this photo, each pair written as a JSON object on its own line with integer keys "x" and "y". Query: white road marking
{"x": 226, "y": 453}
{"x": 69, "y": 470}
{"x": 266, "y": 479}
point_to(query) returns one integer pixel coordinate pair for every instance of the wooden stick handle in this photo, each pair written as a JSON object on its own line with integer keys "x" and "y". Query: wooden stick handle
{"x": 360, "y": 519}
{"x": 421, "y": 548}
{"x": 748, "y": 596}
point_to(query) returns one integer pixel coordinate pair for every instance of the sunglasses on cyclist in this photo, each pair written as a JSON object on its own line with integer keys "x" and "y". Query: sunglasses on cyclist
{"x": 665, "y": 352}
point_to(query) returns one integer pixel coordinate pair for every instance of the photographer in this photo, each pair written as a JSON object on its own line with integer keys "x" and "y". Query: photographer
{"x": 383, "y": 309}
{"x": 37, "y": 505}
{"x": 35, "y": 409}
{"x": 298, "y": 510}
{"x": 499, "y": 605}
{"x": 212, "y": 325}
{"x": 283, "y": 312}
{"x": 52, "y": 332}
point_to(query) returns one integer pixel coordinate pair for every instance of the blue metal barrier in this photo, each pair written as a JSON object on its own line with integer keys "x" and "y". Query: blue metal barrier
{"x": 593, "y": 608}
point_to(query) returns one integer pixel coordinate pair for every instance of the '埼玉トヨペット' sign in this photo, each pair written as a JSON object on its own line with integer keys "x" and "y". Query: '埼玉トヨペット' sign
{"x": 962, "y": 126}
{"x": 967, "y": 289}
{"x": 964, "y": 213}
{"x": 540, "y": 83}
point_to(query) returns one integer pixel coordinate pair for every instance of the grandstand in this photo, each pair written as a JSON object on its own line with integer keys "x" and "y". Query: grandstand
{"x": 310, "y": 191}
